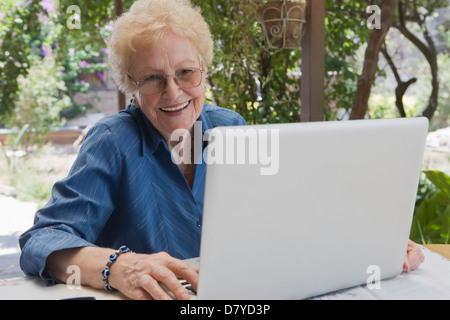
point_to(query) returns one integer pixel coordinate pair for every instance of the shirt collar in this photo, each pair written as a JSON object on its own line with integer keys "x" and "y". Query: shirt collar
{"x": 149, "y": 136}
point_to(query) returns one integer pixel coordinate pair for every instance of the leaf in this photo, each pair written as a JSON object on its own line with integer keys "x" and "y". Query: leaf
{"x": 440, "y": 180}
{"x": 431, "y": 221}
{"x": 20, "y": 136}
{"x": 420, "y": 219}
{"x": 433, "y": 228}
{"x": 445, "y": 225}
{"x": 437, "y": 204}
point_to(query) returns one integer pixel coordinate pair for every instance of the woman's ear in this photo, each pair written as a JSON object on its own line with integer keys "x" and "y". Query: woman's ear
{"x": 135, "y": 100}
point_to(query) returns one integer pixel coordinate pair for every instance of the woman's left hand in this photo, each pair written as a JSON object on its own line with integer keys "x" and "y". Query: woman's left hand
{"x": 414, "y": 257}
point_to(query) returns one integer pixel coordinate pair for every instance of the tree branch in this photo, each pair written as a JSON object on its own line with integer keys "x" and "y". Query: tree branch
{"x": 429, "y": 52}
{"x": 402, "y": 86}
{"x": 367, "y": 78}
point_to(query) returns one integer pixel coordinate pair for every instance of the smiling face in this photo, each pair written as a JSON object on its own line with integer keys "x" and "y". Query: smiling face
{"x": 174, "y": 108}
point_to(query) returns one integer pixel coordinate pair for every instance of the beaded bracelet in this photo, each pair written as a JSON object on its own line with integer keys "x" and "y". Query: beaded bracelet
{"x": 111, "y": 260}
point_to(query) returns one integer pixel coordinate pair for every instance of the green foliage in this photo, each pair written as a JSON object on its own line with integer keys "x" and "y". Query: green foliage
{"x": 431, "y": 222}
{"x": 261, "y": 84}
{"x": 264, "y": 85}
{"x": 258, "y": 83}
{"x": 382, "y": 106}
{"x": 346, "y": 33}
{"x": 40, "y": 100}
{"x": 79, "y": 51}
{"x": 37, "y": 28}
{"x": 32, "y": 188}
{"x": 78, "y": 63}
{"x": 423, "y": 88}
{"x": 18, "y": 26}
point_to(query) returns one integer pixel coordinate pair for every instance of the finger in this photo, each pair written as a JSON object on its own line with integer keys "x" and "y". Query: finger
{"x": 185, "y": 271}
{"x": 169, "y": 279}
{"x": 178, "y": 290}
{"x": 406, "y": 265}
{"x": 417, "y": 258}
{"x": 152, "y": 287}
{"x": 139, "y": 294}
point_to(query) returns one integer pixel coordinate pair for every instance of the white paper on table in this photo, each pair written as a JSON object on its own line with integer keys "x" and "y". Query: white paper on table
{"x": 430, "y": 281}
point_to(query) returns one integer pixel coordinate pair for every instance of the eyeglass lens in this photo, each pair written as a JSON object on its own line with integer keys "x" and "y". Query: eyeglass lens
{"x": 186, "y": 78}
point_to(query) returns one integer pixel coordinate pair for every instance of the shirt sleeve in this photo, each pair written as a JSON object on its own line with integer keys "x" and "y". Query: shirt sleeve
{"x": 219, "y": 116}
{"x": 80, "y": 204}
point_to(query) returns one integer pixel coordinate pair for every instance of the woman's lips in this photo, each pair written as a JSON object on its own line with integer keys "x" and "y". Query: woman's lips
{"x": 176, "y": 108}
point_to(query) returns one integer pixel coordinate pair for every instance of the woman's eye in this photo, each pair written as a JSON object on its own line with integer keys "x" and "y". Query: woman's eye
{"x": 154, "y": 77}
{"x": 184, "y": 72}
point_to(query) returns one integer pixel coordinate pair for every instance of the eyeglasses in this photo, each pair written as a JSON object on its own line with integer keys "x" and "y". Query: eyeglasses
{"x": 186, "y": 78}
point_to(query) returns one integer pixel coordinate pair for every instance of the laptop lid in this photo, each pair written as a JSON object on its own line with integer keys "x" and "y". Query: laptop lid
{"x": 293, "y": 211}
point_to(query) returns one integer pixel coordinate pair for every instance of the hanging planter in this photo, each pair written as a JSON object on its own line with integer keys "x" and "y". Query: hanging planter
{"x": 282, "y": 23}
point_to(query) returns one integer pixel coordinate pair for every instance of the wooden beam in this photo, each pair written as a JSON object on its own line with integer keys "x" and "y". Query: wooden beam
{"x": 313, "y": 62}
{"x": 121, "y": 100}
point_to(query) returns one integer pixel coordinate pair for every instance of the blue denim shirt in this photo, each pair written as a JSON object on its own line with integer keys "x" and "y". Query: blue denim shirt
{"x": 123, "y": 189}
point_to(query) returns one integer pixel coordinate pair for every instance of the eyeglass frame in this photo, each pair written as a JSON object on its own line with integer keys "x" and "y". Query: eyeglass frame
{"x": 140, "y": 82}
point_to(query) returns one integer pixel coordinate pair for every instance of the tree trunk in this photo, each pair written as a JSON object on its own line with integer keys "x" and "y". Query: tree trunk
{"x": 367, "y": 78}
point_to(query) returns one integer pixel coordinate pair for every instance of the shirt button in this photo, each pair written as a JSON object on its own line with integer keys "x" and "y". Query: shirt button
{"x": 199, "y": 224}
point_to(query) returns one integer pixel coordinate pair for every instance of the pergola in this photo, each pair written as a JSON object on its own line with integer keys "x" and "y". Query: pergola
{"x": 313, "y": 62}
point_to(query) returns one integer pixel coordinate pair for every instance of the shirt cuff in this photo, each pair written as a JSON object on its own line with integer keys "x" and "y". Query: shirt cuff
{"x": 43, "y": 242}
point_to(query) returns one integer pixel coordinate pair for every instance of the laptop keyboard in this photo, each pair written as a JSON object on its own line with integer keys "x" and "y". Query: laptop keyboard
{"x": 188, "y": 287}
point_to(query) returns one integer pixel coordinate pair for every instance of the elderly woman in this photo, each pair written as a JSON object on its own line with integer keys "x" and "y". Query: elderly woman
{"x": 124, "y": 187}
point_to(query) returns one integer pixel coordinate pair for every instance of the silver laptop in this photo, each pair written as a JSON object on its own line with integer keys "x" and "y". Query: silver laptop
{"x": 309, "y": 208}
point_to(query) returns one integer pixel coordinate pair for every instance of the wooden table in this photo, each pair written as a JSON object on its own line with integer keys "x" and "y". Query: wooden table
{"x": 442, "y": 249}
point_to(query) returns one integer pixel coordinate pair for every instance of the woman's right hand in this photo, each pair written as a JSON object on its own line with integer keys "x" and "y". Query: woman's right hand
{"x": 139, "y": 276}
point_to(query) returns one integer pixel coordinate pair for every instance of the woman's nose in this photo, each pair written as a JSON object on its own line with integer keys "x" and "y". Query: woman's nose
{"x": 172, "y": 88}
